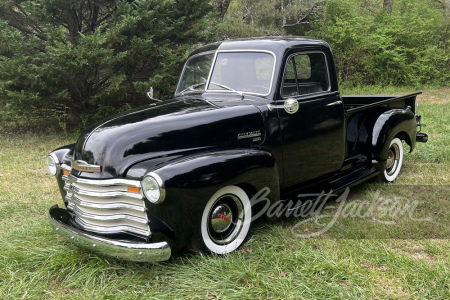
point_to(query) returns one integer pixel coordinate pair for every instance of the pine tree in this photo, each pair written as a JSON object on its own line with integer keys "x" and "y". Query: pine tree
{"x": 85, "y": 59}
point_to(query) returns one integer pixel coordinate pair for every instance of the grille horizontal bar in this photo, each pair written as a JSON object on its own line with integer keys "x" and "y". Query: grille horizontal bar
{"x": 103, "y": 203}
{"x": 111, "y": 227}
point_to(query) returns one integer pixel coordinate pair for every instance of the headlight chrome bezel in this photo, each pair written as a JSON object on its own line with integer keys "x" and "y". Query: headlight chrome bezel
{"x": 55, "y": 160}
{"x": 159, "y": 183}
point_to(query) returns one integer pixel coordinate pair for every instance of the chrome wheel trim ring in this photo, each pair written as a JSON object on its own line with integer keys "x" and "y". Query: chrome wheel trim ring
{"x": 243, "y": 232}
{"x": 226, "y": 233}
{"x": 393, "y": 159}
{"x": 391, "y": 171}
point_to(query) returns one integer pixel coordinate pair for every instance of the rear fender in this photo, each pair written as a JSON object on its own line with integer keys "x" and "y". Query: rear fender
{"x": 378, "y": 128}
{"x": 390, "y": 124}
{"x": 393, "y": 123}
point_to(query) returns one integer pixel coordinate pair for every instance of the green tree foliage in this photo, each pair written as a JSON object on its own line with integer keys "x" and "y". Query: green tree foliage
{"x": 375, "y": 42}
{"x": 85, "y": 59}
{"x": 406, "y": 43}
{"x": 267, "y": 17}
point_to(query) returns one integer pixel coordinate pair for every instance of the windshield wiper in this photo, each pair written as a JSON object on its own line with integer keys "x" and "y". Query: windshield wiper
{"x": 228, "y": 88}
{"x": 192, "y": 87}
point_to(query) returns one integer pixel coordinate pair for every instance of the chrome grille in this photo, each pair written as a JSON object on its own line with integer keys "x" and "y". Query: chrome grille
{"x": 106, "y": 206}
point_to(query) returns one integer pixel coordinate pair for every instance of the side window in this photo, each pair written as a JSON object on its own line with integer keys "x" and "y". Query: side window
{"x": 303, "y": 66}
{"x": 306, "y": 73}
{"x": 290, "y": 86}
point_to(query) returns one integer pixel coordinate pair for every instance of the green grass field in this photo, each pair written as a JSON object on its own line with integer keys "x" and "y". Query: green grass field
{"x": 358, "y": 257}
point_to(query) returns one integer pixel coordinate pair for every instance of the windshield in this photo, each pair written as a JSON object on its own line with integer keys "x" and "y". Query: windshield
{"x": 195, "y": 73}
{"x": 242, "y": 72}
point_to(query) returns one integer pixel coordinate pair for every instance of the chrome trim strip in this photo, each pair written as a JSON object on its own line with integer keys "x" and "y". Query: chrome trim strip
{"x": 105, "y": 182}
{"x": 83, "y": 192}
{"x": 111, "y": 217}
{"x": 111, "y": 229}
{"x": 115, "y": 205}
{"x": 140, "y": 252}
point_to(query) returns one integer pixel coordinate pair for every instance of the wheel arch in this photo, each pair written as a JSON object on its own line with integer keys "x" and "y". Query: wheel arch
{"x": 393, "y": 123}
{"x": 389, "y": 125}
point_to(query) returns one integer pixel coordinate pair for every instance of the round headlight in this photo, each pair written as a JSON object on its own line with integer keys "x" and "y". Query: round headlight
{"x": 153, "y": 188}
{"x": 52, "y": 164}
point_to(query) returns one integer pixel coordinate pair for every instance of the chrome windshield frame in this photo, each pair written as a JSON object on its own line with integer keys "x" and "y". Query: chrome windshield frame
{"x": 187, "y": 61}
{"x": 214, "y": 62}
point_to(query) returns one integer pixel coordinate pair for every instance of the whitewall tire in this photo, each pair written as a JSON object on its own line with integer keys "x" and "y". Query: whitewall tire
{"x": 225, "y": 221}
{"x": 394, "y": 161}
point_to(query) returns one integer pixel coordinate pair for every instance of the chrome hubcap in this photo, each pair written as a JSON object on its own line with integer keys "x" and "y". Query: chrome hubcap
{"x": 393, "y": 159}
{"x": 225, "y": 219}
{"x": 390, "y": 160}
{"x": 221, "y": 218}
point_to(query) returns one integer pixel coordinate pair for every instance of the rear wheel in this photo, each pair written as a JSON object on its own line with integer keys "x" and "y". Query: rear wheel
{"x": 394, "y": 161}
{"x": 225, "y": 221}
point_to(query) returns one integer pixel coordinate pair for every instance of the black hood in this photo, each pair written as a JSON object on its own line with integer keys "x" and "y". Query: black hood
{"x": 166, "y": 128}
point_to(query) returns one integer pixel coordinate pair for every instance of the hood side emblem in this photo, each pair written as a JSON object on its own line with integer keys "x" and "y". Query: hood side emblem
{"x": 250, "y": 134}
{"x": 83, "y": 166}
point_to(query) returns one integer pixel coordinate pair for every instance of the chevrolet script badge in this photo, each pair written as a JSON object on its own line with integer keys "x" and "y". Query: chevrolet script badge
{"x": 83, "y": 166}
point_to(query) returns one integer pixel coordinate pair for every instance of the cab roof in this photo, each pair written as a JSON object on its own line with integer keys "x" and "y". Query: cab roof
{"x": 276, "y": 44}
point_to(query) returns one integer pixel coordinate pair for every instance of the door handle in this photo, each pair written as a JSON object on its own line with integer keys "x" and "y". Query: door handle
{"x": 334, "y": 103}
{"x": 272, "y": 107}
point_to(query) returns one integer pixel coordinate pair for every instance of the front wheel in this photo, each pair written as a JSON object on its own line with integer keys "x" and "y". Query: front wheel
{"x": 394, "y": 161}
{"x": 225, "y": 221}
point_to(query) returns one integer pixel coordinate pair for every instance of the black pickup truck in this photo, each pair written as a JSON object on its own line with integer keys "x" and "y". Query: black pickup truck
{"x": 247, "y": 114}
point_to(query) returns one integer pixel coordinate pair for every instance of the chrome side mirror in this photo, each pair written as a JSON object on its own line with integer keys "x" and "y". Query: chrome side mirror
{"x": 291, "y": 106}
{"x": 150, "y": 93}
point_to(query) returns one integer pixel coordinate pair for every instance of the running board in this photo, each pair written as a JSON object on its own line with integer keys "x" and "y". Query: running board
{"x": 336, "y": 186}
{"x": 352, "y": 178}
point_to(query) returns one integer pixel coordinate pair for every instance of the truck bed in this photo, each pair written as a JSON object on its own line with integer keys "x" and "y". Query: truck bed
{"x": 354, "y": 104}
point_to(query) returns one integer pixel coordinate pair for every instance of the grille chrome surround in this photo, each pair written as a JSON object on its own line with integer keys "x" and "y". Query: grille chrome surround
{"x": 106, "y": 206}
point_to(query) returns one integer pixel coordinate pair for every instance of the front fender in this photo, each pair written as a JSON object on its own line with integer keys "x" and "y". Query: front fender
{"x": 62, "y": 154}
{"x": 392, "y": 123}
{"x": 192, "y": 180}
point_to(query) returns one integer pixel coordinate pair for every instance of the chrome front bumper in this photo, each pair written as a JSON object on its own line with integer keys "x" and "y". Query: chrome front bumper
{"x": 142, "y": 252}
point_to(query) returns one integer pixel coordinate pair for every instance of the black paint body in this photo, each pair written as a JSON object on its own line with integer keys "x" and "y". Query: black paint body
{"x": 192, "y": 141}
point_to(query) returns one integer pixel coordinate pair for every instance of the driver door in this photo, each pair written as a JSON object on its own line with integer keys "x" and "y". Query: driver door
{"x": 312, "y": 120}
